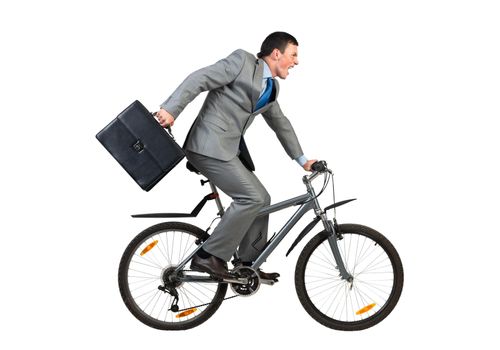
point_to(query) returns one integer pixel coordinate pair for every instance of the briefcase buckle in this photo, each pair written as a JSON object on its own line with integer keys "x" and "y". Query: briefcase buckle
{"x": 138, "y": 146}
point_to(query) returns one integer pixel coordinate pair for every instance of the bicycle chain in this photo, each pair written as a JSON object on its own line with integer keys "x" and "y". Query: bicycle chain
{"x": 197, "y": 306}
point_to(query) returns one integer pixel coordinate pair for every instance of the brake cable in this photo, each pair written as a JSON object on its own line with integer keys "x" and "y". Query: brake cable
{"x": 325, "y": 184}
{"x": 334, "y": 201}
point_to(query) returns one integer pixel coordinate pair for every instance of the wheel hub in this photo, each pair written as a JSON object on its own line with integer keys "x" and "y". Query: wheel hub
{"x": 170, "y": 278}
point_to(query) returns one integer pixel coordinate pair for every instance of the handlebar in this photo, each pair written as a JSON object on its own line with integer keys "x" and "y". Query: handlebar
{"x": 319, "y": 166}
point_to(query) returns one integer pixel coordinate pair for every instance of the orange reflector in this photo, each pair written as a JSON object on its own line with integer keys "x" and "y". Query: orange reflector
{"x": 149, "y": 247}
{"x": 186, "y": 313}
{"x": 365, "y": 309}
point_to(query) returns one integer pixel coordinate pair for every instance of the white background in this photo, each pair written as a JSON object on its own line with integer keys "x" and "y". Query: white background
{"x": 398, "y": 96}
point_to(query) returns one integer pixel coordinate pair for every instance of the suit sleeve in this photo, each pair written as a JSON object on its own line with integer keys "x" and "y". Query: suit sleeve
{"x": 284, "y": 130}
{"x": 212, "y": 77}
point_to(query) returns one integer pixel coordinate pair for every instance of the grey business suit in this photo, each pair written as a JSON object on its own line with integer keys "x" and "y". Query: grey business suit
{"x": 234, "y": 85}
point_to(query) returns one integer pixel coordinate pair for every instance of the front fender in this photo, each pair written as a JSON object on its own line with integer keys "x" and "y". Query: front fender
{"x": 313, "y": 223}
{"x": 338, "y": 204}
{"x": 304, "y": 232}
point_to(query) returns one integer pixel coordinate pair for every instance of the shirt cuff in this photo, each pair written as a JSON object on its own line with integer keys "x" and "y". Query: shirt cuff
{"x": 301, "y": 160}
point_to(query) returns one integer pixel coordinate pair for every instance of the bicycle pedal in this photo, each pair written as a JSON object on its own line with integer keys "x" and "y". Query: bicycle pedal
{"x": 269, "y": 282}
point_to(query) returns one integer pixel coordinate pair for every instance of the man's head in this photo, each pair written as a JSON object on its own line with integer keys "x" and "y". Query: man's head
{"x": 279, "y": 50}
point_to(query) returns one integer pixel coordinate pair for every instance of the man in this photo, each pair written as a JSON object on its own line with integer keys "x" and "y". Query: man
{"x": 240, "y": 87}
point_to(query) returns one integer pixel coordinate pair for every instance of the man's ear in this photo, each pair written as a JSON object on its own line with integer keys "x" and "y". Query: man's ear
{"x": 275, "y": 55}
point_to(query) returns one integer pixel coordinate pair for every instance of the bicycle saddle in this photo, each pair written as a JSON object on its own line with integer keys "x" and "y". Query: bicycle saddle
{"x": 192, "y": 168}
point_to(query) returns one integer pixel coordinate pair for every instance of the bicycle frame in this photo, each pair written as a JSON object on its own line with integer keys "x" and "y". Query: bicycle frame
{"x": 163, "y": 291}
{"x": 307, "y": 202}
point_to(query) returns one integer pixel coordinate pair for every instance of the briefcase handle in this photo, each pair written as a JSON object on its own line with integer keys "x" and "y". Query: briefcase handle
{"x": 168, "y": 128}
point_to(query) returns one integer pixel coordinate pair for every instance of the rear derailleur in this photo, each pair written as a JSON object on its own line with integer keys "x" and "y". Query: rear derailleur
{"x": 171, "y": 282}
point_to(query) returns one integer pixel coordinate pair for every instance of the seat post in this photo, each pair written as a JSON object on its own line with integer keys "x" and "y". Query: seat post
{"x": 217, "y": 199}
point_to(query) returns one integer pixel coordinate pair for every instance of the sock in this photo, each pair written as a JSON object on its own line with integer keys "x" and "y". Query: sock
{"x": 203, "y": 254}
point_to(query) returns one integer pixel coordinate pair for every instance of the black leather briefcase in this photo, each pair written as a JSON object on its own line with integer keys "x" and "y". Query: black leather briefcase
{"x": 142, "y": 147}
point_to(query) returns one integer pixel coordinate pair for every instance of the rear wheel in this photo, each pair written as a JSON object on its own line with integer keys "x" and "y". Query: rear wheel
{"x": 361, "y": 303}
{"x": 143, "y": 278}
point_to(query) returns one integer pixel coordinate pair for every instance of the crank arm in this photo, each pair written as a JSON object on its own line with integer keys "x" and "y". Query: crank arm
{"x": 268, "y": 282}
{"x": 236, "y": 280}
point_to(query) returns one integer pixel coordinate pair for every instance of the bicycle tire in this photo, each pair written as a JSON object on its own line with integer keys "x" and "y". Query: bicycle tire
{"x": 377, "y": 270}
{"x": 140, "y": 275}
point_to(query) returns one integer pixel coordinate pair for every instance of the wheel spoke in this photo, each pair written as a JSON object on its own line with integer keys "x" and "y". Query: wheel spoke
{"x": 354, "y": 304}
{"x": 163, "y": 247}
{"x": 164, "y": 241}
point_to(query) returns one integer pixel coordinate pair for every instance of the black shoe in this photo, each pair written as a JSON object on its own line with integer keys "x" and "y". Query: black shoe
{"x": 211, "y": 265}
{"x": 273, "y": 276}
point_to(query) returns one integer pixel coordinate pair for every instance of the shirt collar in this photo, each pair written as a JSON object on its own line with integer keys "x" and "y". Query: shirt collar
{"x": 267, "y": 71}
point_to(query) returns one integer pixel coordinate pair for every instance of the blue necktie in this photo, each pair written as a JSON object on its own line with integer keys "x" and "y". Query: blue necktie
{"x": 265, "y": 96}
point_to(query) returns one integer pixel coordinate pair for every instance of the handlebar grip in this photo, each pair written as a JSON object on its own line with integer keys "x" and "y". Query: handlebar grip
{"x": 319, "y": 166}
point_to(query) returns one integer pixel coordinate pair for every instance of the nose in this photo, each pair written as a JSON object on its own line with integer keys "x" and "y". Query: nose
{"x": 296, "y": 61}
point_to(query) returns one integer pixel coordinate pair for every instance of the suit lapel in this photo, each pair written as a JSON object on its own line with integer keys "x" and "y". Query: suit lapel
{"x": 276, "y": 90}
{"x": 257, "y": 81}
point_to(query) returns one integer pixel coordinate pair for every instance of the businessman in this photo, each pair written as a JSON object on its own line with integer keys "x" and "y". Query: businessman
{"x": 240, "y": 87}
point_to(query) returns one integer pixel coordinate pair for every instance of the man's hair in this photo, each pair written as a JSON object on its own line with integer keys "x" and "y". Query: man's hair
{"x": 276, "y": 40}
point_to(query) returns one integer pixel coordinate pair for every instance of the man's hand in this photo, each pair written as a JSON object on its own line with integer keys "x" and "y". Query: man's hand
{"x": 165, "y": 118}
{"x": 308, "y": 164}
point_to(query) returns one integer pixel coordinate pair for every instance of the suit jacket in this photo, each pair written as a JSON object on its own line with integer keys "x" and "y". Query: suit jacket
{"x": 234, "y": 84}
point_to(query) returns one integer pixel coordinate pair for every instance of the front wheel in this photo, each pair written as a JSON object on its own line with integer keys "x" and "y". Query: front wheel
{"x": 349, "y": 305}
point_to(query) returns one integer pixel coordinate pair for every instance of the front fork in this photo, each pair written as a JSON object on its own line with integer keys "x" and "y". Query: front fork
{"x": 334, "y": 234}
{"x": 333, "y": 237}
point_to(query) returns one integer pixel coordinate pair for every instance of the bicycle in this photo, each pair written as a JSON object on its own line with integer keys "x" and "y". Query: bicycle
{"x": 348, "y": 277}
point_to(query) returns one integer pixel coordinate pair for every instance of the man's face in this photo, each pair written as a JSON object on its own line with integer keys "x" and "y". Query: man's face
{"x": 286, "y": 60}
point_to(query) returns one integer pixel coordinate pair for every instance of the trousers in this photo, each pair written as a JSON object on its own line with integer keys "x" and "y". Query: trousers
{"x": 239, "y": 228}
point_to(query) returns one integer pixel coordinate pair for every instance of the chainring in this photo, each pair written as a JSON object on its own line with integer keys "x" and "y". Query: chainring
{"x": 249, "y": 288}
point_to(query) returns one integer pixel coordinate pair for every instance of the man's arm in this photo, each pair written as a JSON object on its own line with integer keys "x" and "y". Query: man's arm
{"x": 212, "y": 77}
{"x": 280, "y": 124}
{"x": 286, "y": 134}
{"x": 304, "y": 163}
